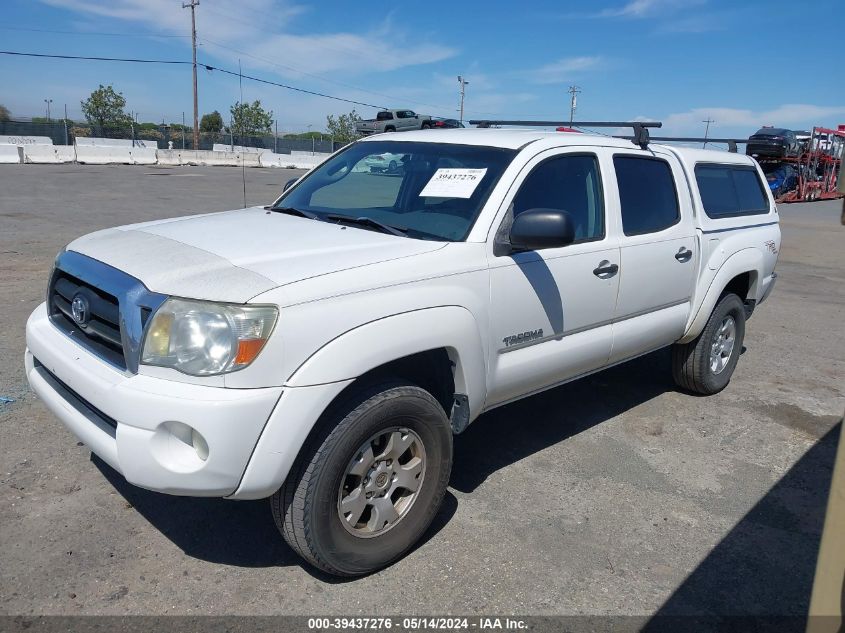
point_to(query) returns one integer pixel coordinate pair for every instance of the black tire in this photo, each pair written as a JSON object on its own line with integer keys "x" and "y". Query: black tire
{"x": 392, "y": 167}
{"x": 426, "y": 126}
{"x": 390, "y": 129}
{"x": 691, "y": 362}
{"x": 306, "y": 508}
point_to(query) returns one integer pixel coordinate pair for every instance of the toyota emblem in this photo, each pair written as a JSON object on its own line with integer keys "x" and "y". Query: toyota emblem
{"x": 80, "y": 310}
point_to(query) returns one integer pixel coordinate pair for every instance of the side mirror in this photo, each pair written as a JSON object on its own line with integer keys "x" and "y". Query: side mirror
{"x": 290, "y": 183}
{"x": 536, "y": 229}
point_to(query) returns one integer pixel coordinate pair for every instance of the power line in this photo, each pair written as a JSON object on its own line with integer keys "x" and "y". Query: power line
{"x": 98, "y": 59}
{"x": 184, "y": 62}
{"x": 29, "y": 30}
{"x": 320, "y": 77}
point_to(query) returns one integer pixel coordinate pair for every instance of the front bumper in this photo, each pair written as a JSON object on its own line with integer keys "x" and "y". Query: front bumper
{"x": 146, "y": 427}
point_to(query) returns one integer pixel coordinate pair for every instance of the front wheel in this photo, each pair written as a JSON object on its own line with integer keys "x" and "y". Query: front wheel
{"x": 705, "y": 365}
{"x": 366, "y": 488}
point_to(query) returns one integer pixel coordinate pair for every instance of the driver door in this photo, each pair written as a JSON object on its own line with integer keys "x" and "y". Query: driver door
{"x": 552, "y": 310}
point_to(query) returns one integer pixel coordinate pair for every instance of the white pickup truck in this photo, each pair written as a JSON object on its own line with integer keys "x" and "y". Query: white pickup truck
{"x": 324, "y": 350}
{"x": 394, "y": 121}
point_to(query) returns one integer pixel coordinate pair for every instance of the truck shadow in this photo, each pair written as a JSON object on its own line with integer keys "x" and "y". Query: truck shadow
{"x": 512, "y": 432}
{"x": 239, "y": 533}
{"x": 243, "y": 533}
{"x": 760, "y": 575}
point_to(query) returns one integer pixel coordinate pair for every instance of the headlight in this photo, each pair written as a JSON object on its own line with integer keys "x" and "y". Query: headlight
{"x": 201, "y": 338}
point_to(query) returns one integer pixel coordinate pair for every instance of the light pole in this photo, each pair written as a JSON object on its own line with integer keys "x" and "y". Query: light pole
{"x": 48, "y": 102}
{"x": 312, "y": 140}
{"x": 463, "y": 83}
{"x": 193, "y": 4}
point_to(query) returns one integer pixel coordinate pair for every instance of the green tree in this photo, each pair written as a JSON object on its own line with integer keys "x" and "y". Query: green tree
{"x": 250, "y": 119}
{"x": 105, "y": 108}
{"x": 342, "y": 127}
{"x": 5, "y": 115}
{"x": 211, "y": 123}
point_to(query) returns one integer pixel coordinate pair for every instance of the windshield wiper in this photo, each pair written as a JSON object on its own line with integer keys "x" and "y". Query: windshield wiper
{"x": 300, "y": 212}
{"x": 365, "y": 221}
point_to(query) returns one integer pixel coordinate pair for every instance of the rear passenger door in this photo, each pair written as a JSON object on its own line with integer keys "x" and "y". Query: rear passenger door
{"x": 658, "y": 249}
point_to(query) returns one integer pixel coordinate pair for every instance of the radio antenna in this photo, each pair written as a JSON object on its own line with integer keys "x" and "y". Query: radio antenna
{"x": 243, "y": 166}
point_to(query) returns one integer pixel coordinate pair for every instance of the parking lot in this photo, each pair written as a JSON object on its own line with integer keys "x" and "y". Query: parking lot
{"x": 615, "y": 494}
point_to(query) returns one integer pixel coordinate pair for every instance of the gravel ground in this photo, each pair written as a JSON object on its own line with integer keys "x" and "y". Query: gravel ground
{"x": 611, "y": 495}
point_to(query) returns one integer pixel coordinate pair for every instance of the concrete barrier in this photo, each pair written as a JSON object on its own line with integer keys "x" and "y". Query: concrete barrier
{"x": 25, "y": 140}
{"x": 90, "y": 155}
{"x": 93, "y": 141}
{"x": 11, "y": 154}
{"x": 269, "y": 159}
{"x": 237, "y": 149}
{"x": 169, "y": 157}
{"x": 143, "y": 156}
{"x": 48, "y": 154}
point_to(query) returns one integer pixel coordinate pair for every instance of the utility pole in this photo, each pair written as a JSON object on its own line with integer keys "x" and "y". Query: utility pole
{"x": 463, "y": 83}
{"x": 708, "y": 121}
{"x": 48, "y": 102}
{"x": 193, "y": 4}
{"x": 276, "y": 138}
{"x": 66, "y": 139}
{"x": 573, "y": 102}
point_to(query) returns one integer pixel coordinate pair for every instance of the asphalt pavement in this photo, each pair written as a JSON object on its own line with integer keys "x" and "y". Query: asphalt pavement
{"x": 615, "y": 494}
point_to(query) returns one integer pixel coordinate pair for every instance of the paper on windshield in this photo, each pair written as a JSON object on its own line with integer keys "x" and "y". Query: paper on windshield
{"x": 453, "y": 183}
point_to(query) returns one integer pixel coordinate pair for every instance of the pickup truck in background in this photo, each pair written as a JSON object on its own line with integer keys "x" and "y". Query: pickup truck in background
{"x": 393, "y": 121}
{"x": 324, "y": 350}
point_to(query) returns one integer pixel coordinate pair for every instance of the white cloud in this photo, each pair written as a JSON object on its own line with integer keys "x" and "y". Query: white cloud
{"x": 736, "y": 121}
{"x": 258, "y": 29}
{"x": 563, "y": 69}
{"x": 646, "y": 8}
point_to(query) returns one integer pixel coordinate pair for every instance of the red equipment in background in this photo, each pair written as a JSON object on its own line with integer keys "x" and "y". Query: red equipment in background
{"x": 819, "y": 165}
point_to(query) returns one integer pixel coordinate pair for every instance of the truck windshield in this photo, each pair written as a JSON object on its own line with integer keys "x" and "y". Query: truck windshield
{"x": 427, "y": 190}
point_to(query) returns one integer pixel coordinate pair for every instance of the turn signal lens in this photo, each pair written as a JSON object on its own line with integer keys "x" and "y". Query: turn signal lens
{"x": 248, "y": 350}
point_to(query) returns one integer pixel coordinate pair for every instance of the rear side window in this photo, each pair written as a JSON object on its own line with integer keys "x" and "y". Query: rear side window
{"x": 647, "y": 193}
{"x": 730, "y": 190}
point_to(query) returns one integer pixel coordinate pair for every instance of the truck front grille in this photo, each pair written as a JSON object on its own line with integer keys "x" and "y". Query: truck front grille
{"x": 112, "y": 308}
{"x": 100, "y": 331}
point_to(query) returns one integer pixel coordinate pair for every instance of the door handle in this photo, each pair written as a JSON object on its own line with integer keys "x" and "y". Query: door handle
{"x": 684, "y": 254}
{"x": 605, "y": 270}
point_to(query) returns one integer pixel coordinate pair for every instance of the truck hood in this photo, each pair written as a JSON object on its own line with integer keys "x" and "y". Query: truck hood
{"x": 236, "y": 255}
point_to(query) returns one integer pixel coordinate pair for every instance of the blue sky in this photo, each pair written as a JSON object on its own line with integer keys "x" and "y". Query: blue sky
{"x": 678, "y": 61}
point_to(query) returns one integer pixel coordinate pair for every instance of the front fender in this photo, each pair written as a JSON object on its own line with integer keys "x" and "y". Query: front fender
{"x": 326, "y": 373}
{"x": 743, "y": 261}
{"x": 379, "y": 342}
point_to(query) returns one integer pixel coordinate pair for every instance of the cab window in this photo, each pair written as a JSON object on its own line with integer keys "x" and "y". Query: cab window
{"x": 568, "y": 183}
{"x": 647, "y": 194}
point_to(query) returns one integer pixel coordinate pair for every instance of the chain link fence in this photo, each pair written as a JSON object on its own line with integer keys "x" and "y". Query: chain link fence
{"x": 165, "y": 136}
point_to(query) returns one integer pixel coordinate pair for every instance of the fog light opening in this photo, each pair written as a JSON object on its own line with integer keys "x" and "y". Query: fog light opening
{"x": 199, "y": 444}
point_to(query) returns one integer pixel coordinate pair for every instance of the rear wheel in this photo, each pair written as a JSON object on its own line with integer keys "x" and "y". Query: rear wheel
{"x": 705, "y": 365}
{"x": 426, "y": 125}
{"x": 390, "y": 128}
{"x": 368, "y": 486}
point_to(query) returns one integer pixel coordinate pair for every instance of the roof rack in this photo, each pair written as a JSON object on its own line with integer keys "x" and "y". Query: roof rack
{"x": 731, "y": 142}
{"x": 640, "y": 137}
